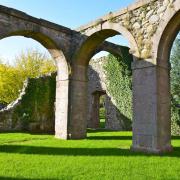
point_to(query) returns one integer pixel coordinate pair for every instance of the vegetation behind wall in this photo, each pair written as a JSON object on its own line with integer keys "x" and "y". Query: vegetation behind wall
{"x": 119, "y": 81}
{"x": 175, "y": 87}
{"x": 34, "y": 109}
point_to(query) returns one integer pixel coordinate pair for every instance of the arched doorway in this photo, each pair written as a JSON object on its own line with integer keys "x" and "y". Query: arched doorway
{"x": 21, "y": 27}
{"x": 98, "y": 105}
{"x": 78, "y": 119}
{"x": 26, "y": 68}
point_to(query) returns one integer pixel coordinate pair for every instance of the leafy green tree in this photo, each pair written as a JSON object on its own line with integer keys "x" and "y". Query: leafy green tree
{"x": 33, "y": 63}
{"x": 29, "y": 64}
{"x": 10, "y": 83}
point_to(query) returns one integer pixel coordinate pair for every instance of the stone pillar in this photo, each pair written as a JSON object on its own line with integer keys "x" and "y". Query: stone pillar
{"x": 95, "y": 121}
{"x": 61, "y": 111}
{"x": 78, "y": 103}
{"x": 151, "y": 108}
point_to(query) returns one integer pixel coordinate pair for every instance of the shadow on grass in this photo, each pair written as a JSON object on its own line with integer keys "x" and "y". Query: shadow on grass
{"x": 175, "y": 137}
{"x": 64, "y": 151}
{"x": 119, "y": 137}
{"x": 109, "y": 138}
{"x": 18, "y": 178}
{"x": 27, "y": 132}
{"x": 101, "y": 130}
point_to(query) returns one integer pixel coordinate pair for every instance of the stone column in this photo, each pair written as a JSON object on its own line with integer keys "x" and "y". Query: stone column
{"x": 151, "y": 108}
{"x": 78, "y": 103}
{"x": 61, "y": 112}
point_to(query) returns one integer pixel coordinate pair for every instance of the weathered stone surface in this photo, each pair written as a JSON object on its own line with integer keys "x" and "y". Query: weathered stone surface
{"x": 136, "y": 25}
{"x": 29, "y": 112}
{"x": 161, "y": 9}
{"x": 149, "y": 14}
{"x": 154, "y": 19}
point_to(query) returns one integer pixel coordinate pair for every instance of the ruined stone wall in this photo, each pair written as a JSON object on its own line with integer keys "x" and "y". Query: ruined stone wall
{"x": 34, "y": 109}
{"x": 98, "y": 83}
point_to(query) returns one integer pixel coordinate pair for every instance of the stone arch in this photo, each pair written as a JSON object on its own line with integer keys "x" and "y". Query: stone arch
{"x": 157, "y": 95}
{"x": 96, "y": 36}
{"x": 29, "y": 30}
{"x": 165, "y": 35}
{"x": 56, "y": 53}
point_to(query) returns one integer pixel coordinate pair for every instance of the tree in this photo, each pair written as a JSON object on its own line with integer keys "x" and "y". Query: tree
{"x": 29, "y": 64}
{"x": 10, "y": 83}
{"x": 33, "y": 63}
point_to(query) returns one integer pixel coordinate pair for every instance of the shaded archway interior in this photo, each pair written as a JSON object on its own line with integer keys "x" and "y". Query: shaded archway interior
{"x": 90, "y": 46}
{"x": 97, "y": 97}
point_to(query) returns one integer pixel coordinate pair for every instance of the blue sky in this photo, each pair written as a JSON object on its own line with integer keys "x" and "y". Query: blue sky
{"x": 70, "y": 13}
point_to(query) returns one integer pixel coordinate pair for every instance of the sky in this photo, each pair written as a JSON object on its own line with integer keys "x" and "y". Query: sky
{"x": 69, "y": 13}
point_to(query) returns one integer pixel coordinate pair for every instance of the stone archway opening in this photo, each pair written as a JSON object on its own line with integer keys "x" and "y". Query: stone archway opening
{"x": 102, "y": 111}
{"x": 22, "y": 65}
{"x": 98, "y": 110}
{"x": 80, "y": 79}
{"x": 37, "y": 108}
{"x": 116, "y": 115}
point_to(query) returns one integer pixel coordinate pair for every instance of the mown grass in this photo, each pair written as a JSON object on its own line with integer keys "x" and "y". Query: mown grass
{"x": 102, "y": 156}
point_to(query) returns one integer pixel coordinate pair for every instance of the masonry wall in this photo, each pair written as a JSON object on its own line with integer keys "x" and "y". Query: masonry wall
{"x": 98, "y": 84}
{"x": 34, "y": 109}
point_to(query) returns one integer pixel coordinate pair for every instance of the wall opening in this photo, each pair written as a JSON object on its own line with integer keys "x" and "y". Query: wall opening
{"x": 104, "y": 108}
{"x": 102, "y": 111}
{"x": 27, "y": 105}
{"x": 98, "y": 110}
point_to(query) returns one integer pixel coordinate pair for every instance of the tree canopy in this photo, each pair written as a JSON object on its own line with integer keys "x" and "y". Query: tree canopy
{"x": 29, "y": 64}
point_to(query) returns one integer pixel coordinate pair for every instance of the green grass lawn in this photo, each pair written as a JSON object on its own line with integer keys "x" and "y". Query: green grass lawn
{"x": 102, "y": 156}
